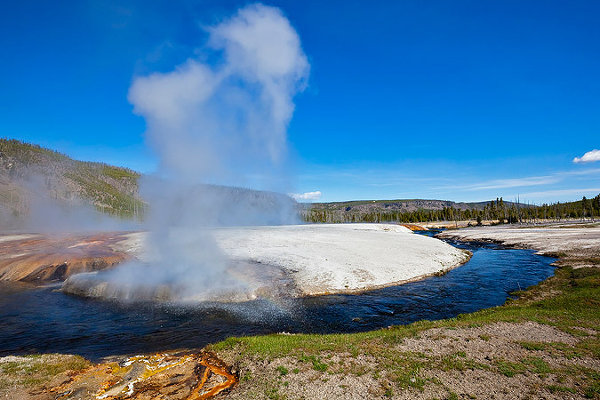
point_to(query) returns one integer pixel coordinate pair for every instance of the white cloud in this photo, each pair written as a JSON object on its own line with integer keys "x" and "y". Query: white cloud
{"x": 527, "y": 181}
{"x": 559, "y": 192}
{"x": 510, "y": 183}
{"x": 309, "y": 196}
{"x": 590, "y": 156}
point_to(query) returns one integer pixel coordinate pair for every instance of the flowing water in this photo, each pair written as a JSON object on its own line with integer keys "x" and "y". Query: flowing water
{"x": 46, "y": 320}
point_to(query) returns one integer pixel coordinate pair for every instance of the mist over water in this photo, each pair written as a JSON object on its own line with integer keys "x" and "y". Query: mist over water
{"x": 222, "y": 123}
{"x": 45, "y": 321}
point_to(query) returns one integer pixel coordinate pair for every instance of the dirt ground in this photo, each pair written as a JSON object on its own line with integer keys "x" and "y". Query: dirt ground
{"x": 497, "y": 361}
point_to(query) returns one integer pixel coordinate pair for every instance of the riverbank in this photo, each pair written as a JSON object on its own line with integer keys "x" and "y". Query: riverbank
{"x": 575, "y": 244}
{"x": 39, "y": 259}
{"x": 529, "y": 348}
{"x": 545, "y": 344}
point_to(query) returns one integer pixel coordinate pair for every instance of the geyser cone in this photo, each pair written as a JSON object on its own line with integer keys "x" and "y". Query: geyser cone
{"x": 96, "y": 285}
{"x": 240, "y": 281}
{"x": 115, "y": 286}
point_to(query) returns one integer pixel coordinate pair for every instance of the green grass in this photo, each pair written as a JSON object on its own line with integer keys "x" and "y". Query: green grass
{"x": 537, "y": 365}
{"x": 560, "y": 389}
{"x": 565, "y": 350}
{"x": 317, "y": 364}
{"x": 452, "y": 396}
{"x": 533, "y": 346}
{"x": 592, "y": 391}
{"x": 510, "y": 369}
{"x": 282, "y": 370}
{"x": 575, "y": 305}
{"x": 578, "y": 305}
{"x": 457, "y": 362}
{"x": 36, "y": 369}
{"x": 530, "y": 364}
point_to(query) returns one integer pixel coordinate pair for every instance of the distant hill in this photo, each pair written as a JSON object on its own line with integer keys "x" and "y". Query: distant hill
{"x": 28, "y": 171}
{"x": 405, "y": 210}
{"x": 419, "y": 210}
{"x": 407, "y": 205}
{"x": 32, "y": 174}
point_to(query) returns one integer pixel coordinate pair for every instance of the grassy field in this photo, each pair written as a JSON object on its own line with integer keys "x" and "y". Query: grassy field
{"x": 569, "y": 302}
{"x": 34, "y": 370}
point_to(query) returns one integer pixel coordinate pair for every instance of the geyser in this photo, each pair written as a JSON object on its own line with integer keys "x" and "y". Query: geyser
{"x": 219, "y": 123}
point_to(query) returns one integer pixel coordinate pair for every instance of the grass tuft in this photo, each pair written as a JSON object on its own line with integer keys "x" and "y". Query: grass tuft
{"x": 282, "y": 370}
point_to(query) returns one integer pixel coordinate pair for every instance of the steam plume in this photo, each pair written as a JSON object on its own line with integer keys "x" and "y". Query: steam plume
{"x": 209, "y": 123}
{"x": 222, "y": 124}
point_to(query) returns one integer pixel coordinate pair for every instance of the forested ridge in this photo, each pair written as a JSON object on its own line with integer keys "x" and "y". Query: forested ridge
{"x": 28, "y": 171}
{"x": 496, "y": 210}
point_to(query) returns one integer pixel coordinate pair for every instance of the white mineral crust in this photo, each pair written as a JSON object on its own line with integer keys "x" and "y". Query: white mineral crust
{"x": 319, "y": 259}
{"x": 329, "y": 258}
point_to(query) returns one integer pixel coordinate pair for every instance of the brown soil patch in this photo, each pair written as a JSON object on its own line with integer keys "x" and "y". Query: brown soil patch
{"x": 414, "y": 227}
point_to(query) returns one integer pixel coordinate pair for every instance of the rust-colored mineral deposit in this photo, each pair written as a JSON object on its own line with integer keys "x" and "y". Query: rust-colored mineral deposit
{"x": 182, "y": 376}
{"x": 44, "y": 258}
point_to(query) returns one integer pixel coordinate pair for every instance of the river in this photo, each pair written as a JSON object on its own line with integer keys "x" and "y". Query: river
{"x": 45, "y": 320}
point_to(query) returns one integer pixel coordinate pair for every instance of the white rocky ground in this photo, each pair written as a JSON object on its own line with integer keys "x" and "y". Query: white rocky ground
{"x": 341, "y": 257}
{"x": 333, "y": 258}
{"x": 579, "y": 243}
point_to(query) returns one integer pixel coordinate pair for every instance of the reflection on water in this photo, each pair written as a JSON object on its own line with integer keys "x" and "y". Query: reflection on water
{"x": 44, "y": 320}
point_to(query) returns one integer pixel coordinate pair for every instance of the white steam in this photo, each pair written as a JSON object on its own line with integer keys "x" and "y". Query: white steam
{"x": 214, "y": 124}
{"x": 42, "y": 203}
{"x": 210, "y": 123}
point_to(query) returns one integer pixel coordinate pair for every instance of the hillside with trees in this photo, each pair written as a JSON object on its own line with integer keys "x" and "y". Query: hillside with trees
{"x": 29, "y": 171}
{"x": 32, "y": 174}
{"x": 410, "y": 211}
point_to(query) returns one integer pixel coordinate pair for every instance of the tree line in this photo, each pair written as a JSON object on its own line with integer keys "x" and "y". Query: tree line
{"x": 497, "y": 211}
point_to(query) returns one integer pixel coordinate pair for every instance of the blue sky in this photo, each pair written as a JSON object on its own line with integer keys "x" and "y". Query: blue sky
{"x": 462, "y": 100}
